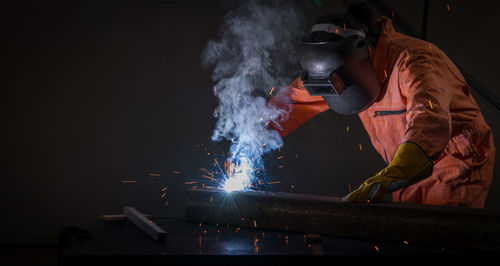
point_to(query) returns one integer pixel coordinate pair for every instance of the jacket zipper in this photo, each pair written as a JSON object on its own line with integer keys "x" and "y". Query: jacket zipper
{"x": 382, "y": 113}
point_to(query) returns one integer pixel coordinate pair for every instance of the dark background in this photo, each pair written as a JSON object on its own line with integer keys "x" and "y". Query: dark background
{"x": 97, "y": 92}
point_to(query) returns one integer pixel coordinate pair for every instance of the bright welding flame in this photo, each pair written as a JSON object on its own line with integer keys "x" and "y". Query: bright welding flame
{"x": 240, "y": 174}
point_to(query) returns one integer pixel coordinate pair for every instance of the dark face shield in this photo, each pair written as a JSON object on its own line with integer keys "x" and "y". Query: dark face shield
{"x": 341, "y": 72}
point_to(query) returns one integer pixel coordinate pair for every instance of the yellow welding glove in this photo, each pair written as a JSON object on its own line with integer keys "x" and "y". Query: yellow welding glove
{"x": 409, "y": 166}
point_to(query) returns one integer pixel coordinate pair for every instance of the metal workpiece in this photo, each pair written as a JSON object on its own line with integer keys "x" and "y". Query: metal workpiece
{"x": 428, "y": 225}
{"x": 146, "y": 225}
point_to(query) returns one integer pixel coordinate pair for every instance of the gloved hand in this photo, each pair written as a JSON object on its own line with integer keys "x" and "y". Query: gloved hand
{"x": 409, "y": 166}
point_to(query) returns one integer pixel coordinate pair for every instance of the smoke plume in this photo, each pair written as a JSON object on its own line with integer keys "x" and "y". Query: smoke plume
{"x": 252, "y": 58}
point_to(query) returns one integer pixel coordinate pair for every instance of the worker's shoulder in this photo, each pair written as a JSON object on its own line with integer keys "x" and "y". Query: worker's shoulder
{"x": 409, "y": 50}
{"x": 401, "y": 43}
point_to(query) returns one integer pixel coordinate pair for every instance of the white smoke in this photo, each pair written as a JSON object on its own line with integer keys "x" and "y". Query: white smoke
{"x": 255, "y": 52}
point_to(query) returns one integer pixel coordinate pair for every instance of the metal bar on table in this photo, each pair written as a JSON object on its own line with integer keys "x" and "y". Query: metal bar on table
{"x": 144, "y": 223}
{"x": 428, "y": 225}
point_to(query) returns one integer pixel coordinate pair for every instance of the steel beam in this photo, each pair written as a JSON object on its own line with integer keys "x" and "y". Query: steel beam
{"x": 436, "y": 226}
{"x": 146, "y": 225}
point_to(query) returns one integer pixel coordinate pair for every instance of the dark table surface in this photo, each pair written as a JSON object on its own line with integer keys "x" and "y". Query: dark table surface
{"x": 193, "y": 243}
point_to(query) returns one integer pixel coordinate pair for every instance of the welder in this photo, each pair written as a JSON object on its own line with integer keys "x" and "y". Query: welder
{"x": 412, "y": 100}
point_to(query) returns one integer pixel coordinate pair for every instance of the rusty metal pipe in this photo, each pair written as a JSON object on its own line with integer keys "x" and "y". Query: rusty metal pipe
{"x": 438, "y": 226}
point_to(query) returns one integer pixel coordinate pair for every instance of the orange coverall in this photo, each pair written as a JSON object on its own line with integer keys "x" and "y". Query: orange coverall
{"x": 424, "y": 100}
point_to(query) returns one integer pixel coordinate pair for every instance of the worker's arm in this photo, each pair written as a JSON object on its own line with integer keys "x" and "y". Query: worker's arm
{"x": 299, "y": 107}
{"x": 428, "y": 129}
{"x": 428, "y": 95}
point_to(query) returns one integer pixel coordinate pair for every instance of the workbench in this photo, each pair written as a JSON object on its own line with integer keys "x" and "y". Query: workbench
{"x": 195, "y": 243}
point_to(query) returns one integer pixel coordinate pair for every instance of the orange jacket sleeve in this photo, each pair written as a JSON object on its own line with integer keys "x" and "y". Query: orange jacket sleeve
{"x": 299, "y": 107}
{"x": 424, "y": 84}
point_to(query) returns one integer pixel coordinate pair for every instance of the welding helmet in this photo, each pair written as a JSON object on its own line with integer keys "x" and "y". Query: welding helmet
{"x": 339, "y": 69}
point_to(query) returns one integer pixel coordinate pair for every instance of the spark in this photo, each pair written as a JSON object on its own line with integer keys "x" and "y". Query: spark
{"x": 206, "y": 171}
{"x": 267, "y": 123}
{"x": 344, "y": 26}
{"x": 129, "y": 181}
{"x": 405, "y": 242}
{"x": 190, "y": 182}
{"x": 430, "y": 104}
{"x": 281, "y": 166}
{"x": 393, "y": 15}
{"x": 163, "y": 195}
{"x": 256, "y": 247}
{"x": 280, "y": 157}
{"x": 210, "y": 178}
{"x": 166, "y": 203}
{"x": 448, "y": 6}
{"x": 376, "y": 248}
{"x": 215, "y": 90}
{"x": 360, "y": 147}
{"x": 347, "y": 128}
{"x": 153, "y": 174}
{"x": 254, "y": 223}
{"x": 271, "y": 92}
{"x": 177, "y": 172}
{"x": 385, "y": 73}
{"x": 274, "y": 182}
{"x": 349, "y": 188}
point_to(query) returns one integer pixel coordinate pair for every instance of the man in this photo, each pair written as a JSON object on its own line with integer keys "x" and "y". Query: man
{"x": 413, "y": 102}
